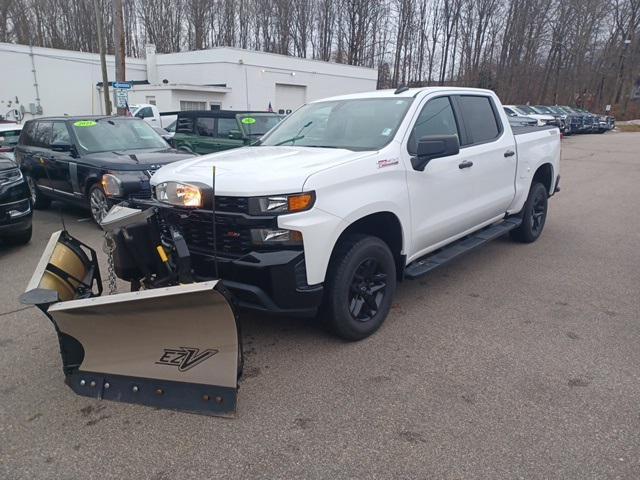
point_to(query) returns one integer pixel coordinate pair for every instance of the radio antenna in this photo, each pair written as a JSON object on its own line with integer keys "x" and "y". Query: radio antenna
{"x": 213, "y": 217}
{"x": 53, "y": 190}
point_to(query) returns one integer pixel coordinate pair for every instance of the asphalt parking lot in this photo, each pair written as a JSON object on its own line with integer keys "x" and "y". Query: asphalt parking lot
{"x": 519, "y": 361}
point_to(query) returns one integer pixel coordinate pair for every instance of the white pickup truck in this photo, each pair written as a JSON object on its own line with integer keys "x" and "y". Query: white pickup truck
{"x": 351, "y": 194}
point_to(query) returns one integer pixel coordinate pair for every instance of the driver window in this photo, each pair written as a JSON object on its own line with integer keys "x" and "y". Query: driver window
{"x": 436, "y": 118}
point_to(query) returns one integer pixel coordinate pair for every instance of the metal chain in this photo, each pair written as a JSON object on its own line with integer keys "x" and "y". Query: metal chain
{"x": 109, "y": 247}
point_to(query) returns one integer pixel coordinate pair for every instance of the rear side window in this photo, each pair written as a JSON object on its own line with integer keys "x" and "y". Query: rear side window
{"x": 42, "y": 134}
{"x": 479, "y": 118}
{"x": 184, "y": 125}
{"x": 145, "y": 112}
{"x": 205, "y": 126}
{"x": 26, "y": 137}
{"x": 436, "y": 118}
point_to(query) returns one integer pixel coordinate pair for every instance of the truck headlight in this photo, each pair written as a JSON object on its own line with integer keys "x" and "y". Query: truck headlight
{"x": 180, "y": 194}
{"x": 277, "y": 204}
{"x": 111, "y": 185}
{"x": 275, "y": 236}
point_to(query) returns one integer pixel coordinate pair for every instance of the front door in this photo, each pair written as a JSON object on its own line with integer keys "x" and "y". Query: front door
{"x": 440, "y": 195}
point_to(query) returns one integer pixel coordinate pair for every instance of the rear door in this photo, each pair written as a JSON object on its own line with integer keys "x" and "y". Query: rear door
{"x": 62, "y": 166}
{"x": 491, "y": 147}
{"x": 35, "y": 155}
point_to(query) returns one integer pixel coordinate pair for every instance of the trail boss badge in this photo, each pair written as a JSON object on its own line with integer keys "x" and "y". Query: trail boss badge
{"x": 185, "y": 357}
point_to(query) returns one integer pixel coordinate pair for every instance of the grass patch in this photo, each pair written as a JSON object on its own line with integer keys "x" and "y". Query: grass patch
{"x": 628, "y": 128}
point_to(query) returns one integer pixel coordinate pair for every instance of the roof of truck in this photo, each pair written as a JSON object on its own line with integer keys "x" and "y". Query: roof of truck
{"x": 410, "y": 92}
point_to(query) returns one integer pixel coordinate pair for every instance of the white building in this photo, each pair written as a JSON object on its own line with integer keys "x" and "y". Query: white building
{"x": 57, "y": 82}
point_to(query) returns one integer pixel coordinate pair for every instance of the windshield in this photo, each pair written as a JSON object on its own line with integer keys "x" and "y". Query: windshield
{"x": 542, "y": 109}
{"x": 525, "y": 110}
{"x": 356, "y": 124}
{"x": 258, "y": 125}
{"x": 115, "y": 134}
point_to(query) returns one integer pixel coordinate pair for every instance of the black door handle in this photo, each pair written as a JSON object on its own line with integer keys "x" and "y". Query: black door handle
{"x": 509, "y": 153}
{"x": 465, "y": 164}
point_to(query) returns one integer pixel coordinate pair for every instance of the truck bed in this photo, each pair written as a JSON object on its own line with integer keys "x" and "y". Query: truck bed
{"x": 528, "y": 129}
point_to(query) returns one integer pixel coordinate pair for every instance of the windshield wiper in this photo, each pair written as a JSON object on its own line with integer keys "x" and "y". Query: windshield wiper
{"x": 297, "y": 136}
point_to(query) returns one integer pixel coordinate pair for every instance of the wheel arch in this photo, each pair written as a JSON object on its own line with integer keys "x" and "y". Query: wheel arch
{"x": 544, "y": 174}
{"x": 384, "y": 225}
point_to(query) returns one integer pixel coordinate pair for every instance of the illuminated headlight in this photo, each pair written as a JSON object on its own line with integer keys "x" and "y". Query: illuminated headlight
{"x": 275, "y": 236}
{"x": 278, "y": 204}
{"x": 111, "y": 185}
{"x": 180, "y": 194}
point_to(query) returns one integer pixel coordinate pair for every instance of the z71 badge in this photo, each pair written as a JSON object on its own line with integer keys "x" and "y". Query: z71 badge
{"x": 387, "y": 162}
{"x": 185, "y": 357}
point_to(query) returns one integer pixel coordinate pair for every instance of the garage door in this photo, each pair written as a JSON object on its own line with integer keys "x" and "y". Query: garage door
{"x": 289, "y": 97}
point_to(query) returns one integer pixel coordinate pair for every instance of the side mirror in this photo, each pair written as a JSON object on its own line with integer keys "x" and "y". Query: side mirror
{"x": 434, "y": 146}
{"x": 235, "y": 135}
{"x": 61, "y": 147}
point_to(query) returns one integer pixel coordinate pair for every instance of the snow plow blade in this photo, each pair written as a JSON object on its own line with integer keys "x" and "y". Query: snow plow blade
{"x": 175, "y": 347}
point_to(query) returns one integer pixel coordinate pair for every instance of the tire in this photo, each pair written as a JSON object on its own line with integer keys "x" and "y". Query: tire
{"x": 98, "y": 203}
{"x": 361, "y": 281}
{"x": 534, "y": 215}
{"x": 38, "y": 200}
{"x": 21, "y": 238}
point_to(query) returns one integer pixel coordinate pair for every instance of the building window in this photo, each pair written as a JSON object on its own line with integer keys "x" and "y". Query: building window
{"x": 215, "y": 105}
{"x": 187, "y": 105}
{"x": 151, "y": 100}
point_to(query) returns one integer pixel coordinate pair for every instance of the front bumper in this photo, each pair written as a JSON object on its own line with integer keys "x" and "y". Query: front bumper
{"x": 270, "y": 279}
{"x": 15, "y": 217}
{"x": 274, "y": 281}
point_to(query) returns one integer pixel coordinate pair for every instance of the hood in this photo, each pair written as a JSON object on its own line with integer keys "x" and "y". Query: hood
{"x": 252, "y": 171}
{"x": 6, "y": 163}
{"x": 136, "y": 159}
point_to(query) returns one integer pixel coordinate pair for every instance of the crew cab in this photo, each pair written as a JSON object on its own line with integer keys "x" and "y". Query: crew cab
{"x": 350, "y": 195}
{"x": 90, "y": 161}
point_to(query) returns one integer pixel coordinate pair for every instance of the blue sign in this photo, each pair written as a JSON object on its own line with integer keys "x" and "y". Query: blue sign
{"x": 122, "y": 85}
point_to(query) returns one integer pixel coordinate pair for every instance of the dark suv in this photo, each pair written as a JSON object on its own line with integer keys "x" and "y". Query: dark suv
{"x": 91, "y": 161}
{"x": 211, "y": 131}
{"x": 15, "y": 206}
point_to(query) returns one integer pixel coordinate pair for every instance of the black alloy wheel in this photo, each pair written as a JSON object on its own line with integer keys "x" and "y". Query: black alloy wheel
{"x": 368, "y": 287}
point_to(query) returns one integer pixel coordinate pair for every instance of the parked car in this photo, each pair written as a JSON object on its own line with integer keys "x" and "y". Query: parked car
{"x": 530, "y": 112}
{"x": 151, "y": 114}
{"x": 571, "y": 122}
{"x": 9, "y": 134}
{"x": 560, "y": 120}
{"x": 516, "y": 120}
{"x": 15, "y": 204}
{"x": 390, "y": 186}
{"x": 211, "y": 131}
{"x": 91, "y": 161}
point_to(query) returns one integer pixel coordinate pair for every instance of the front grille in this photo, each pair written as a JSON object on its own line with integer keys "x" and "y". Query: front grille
{"x": 145, "y": 193}
{"x": 232, "y": 204}
{"x": 233, "y": 238}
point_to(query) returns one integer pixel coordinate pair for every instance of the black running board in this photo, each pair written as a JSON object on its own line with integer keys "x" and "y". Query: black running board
{"x": 429, "y": 262}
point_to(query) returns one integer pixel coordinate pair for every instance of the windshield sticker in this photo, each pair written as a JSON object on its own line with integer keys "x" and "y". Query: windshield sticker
{"x": 386, "y": 132}
{"x": 85, "y": 123}
{"x": 248, "y": 120}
